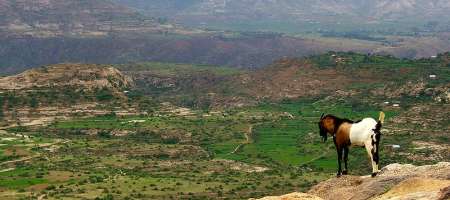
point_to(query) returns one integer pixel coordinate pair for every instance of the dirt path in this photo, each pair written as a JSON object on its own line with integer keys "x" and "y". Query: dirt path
{"x": 42, "y": 197}
{"x": 248, "y": 134}
{"x": 7, "y": 170}
{"x": 248, "y": 139}
{"x": 35, "y": 156}
{"x": 318, "y": 157}
{"x": 19, "y": 160}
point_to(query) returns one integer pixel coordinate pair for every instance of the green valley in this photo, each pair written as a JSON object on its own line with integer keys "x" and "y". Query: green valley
{"x": 181, "y": 131}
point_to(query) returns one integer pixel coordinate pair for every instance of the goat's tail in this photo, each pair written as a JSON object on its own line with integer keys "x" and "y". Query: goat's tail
{"x": 381, "y": 118}
{"x": 380, "y": 123}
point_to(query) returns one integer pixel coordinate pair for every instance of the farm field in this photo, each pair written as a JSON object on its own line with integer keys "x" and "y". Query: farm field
{"x": 191, "y": 137}
{"x": 169, "y": 156}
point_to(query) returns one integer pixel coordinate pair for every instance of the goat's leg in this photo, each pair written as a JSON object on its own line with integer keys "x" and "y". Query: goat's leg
{"x": 376, "y": 152}
{"x": 345, "y": 172}
{"x": 370, "y": 149}
{"x": 339, "y": 152}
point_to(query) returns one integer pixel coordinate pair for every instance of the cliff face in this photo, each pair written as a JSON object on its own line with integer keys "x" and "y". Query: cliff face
{"x": 395, "y": 181}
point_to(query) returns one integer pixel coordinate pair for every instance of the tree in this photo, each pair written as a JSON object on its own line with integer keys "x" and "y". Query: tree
{"x": 34, "y": 103}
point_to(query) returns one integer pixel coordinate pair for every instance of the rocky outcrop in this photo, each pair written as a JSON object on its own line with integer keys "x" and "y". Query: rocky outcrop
{"x": 86, "y": 76}
{"x": 293, "y": 196}
{"x": 43, "y": 95}
{"x": 395, "y": 181}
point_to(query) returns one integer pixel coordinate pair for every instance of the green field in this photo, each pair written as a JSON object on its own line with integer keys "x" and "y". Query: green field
{"x": 267, "y": 147}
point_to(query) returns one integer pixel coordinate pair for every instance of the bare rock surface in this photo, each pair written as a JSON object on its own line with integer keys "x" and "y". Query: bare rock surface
{"x": 394, "y": 182}
{"x": 293, "y": 196}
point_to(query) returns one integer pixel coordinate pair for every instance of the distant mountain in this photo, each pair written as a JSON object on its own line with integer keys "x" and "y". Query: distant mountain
{"x": 379, "y": 9}
{"x": 44, "y": 32}
{"x": 160, "y": 8}
{"x": 225, "y": 12}
{"x": 49, "y": 18}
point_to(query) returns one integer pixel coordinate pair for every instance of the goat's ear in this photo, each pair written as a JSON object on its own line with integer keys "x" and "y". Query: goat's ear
{"x": 321, "y": 117}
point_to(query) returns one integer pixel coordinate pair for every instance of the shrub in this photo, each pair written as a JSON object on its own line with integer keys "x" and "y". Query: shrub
{"x": 104, "y": 95}
{"x": 50, "y": 187}
{"x": 105, "y": 134}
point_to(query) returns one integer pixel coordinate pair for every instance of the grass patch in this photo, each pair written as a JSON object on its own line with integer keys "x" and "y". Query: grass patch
{"x": 177, "y": 69}
{"x": 17, "y": 183}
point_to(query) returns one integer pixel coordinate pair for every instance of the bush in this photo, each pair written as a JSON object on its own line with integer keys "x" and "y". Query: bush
{"x": 104, "y": 95}
{"x": 95, "y": 179}
{"x": 107, "y": 197}
{"x": 50, "y": 187}
{"x": 171, "y": 140}
{"x": 105, "y": 134}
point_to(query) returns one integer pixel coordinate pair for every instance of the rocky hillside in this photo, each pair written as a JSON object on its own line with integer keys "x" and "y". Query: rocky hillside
{"x": 50, "y": 18}
{"x": 339, "y": 76}
{"x": 396, "y": 181}
{"x": 68, "y": 75}
{"x": 59, "y": 91}
{"x": 294, "y": 78}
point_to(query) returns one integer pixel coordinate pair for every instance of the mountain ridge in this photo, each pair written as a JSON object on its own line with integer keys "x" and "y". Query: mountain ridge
{"x": 52, "y": 18}
{"x": 378, "y": 9}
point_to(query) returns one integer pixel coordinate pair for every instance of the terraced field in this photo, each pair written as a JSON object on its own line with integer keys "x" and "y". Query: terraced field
{"x": 164, "y": 156}
{"x": 185, "y": 144}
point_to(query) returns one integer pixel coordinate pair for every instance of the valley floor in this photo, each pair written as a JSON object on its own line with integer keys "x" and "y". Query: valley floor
{"x": 192, "y": 155}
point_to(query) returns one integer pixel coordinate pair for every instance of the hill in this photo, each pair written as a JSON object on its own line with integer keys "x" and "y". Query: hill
{"x": 41, "y": 95}
{"x": 67, "y": 75}
{"x": 344, "y": 75}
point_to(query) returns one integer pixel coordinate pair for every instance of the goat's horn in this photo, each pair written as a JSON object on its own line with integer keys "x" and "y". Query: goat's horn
{"x": 321, "y": 117}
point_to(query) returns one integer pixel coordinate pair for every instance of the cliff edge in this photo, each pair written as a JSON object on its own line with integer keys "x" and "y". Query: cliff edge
{"x": 395, "y": 181}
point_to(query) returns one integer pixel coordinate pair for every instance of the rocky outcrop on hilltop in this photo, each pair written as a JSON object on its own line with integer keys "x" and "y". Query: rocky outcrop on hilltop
{"x": 85, "y": 76}
{"x": 42, "y": 95}
{"x": 395, "y": 181}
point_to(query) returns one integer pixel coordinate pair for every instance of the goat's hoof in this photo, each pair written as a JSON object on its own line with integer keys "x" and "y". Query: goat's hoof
{"x": 374, "y": 174}
{"x": 344, "y": 172}
{"x": 339, "y": 174}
